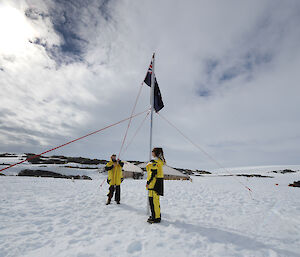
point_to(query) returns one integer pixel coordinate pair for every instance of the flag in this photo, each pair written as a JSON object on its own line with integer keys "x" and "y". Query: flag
{"x": 158, "y": 102}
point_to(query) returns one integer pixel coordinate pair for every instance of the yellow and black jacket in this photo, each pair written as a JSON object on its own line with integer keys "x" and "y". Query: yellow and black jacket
{"x": 115, "y": 175}
{"x": 155, "y": 176}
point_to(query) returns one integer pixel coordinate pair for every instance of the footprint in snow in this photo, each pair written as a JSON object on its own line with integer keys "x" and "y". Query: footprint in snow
{"x": 135, "y": 246}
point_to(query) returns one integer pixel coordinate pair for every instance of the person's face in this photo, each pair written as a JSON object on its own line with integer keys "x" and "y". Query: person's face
{"x": 113, "y": 158}
{"x": 153, "y": 154}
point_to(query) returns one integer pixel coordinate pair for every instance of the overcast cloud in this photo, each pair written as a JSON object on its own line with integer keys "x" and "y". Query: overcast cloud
{"x": 228, "y": 72}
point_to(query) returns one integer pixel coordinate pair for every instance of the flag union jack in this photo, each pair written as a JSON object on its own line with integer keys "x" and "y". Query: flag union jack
{"x": 150, "y": 68}
{"x": 158, "y": 102}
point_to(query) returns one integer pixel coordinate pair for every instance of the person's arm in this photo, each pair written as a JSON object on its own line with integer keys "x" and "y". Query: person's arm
{"x": 109, "y": 167}
{"x": 122, "y": 178}
{"x": 153, "y": 174}
{"x": 121, "y": 163}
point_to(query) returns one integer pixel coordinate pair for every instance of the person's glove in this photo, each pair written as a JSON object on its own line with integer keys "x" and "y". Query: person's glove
{"x": 122, "y": 179}
{"x": 108, "y": 180}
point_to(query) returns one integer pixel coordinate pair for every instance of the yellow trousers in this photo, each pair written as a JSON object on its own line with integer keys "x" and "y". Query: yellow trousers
{"x": 154, "y": 204}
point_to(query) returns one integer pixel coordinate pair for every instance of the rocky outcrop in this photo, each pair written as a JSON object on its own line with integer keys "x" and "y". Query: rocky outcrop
{"x": 192, "y": 172}
{"x": 59, "y": 159}
{"x": 50, "y": 174}
{"x": 284, "y": 171}
{"x": 82, "y": 160}
{"x": 80, "y": 168}
{"x": 295, "y": 184}
{"x": 8, "y": 155}
{"x": 253, "y": 175}
{"x": 247, "y": 175}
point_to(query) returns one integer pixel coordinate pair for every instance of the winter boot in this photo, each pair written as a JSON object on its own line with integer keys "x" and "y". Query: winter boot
{"x": 158, "y": 220}
{"x": 151, "y": 220}
{"x": 108, "y": 201}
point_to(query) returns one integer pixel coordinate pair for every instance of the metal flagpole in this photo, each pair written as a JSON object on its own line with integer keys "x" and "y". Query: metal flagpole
{"x": 151, "y": 119}
{"x": 152, "y": 105}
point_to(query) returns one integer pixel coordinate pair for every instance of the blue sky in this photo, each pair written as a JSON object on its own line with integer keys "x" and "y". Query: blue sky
{"x": 228, "y": 74}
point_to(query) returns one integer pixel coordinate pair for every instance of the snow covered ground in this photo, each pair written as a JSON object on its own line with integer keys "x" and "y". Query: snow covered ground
{"x": 262, "y": 170}
{"x": 58, "y": 168}
{"x": 211, "y": 216}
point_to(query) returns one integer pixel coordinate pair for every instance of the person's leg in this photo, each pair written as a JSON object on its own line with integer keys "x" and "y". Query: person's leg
{"x": 156, "y": 204}
{"x": 118, "y": 194}
{"x": 110, "y": 194}
{"x": 152, "y": 217}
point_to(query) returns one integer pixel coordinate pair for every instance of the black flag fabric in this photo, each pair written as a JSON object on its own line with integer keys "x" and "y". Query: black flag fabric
{"x": 158, "y": 102}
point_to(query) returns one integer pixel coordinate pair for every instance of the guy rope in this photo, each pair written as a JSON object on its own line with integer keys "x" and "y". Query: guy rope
{"x": 77, "y": 139}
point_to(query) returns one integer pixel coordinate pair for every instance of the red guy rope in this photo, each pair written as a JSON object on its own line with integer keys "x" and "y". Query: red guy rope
{"x": 129, "y": 122}
{"x": 97, "y": 131}
{"x": 136, "y": 132}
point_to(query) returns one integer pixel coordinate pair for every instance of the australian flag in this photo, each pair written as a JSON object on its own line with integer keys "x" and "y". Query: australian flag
{"x": 158, "y": 102}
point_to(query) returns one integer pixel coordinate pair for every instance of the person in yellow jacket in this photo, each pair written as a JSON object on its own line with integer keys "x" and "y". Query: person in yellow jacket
{"x": 114, "y": 179}
{"x": 155, "y": 183}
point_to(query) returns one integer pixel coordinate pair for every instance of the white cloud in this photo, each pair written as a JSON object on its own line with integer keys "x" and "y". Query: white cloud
{"x": 241, "y": 56}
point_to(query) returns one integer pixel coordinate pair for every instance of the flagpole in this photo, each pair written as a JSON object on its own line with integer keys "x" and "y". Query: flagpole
{"x": 151, "y": 119}
{"x": 152, "y": 105}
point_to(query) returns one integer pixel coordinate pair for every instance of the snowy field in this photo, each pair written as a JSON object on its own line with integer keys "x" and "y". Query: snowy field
{"x": 262, "y": 170}
{"x": 58, "y": 168}
{"x": 211, "y": 216}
